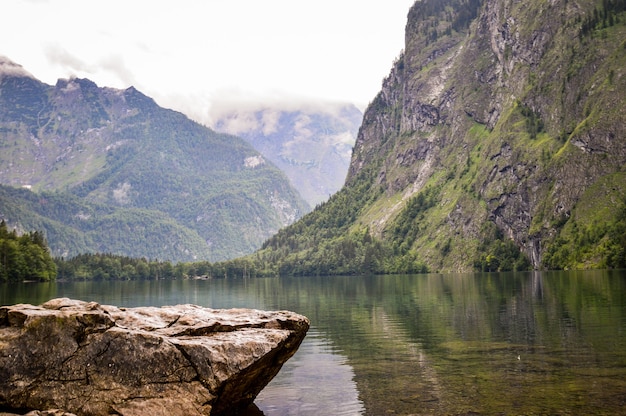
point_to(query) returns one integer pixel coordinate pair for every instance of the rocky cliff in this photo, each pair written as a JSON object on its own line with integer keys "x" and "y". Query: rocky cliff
{"x": 512, "y": 115}
{"x": 498, "y": 140}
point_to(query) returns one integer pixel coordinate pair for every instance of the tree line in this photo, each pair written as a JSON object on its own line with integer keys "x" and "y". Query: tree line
{"x": 303, "y": 250}
{"x": 602, "y": 17}
{"x": 24, "y": 257}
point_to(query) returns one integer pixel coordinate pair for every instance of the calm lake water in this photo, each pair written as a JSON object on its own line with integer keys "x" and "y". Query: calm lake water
{"x": 541, "y": 343}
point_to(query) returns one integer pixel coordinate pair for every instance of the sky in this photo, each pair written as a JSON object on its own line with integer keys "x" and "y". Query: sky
{"x": 201, "y": 57}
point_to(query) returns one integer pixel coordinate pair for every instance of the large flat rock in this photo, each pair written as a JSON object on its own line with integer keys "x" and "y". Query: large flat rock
{"x": 91, "y": 359}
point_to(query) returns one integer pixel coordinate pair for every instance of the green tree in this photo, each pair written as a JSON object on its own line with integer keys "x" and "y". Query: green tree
{"x": 24, "y": 257}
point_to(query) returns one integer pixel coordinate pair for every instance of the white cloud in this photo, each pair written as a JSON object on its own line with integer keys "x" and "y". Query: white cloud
{"x": 188, "y": 53}
{"x": 116, "y": 65}
{"x": 8, "y": 67}
{"x": 240, "y": 123}
{"x": 270, "y": 121}
{"x": 301, "y": 127}
{"x": 57, "y": 55}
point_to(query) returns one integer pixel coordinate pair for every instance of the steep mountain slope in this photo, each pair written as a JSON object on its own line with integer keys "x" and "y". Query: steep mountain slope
{"x": 311, "y": 143}
{"x": 497, "y": 142}
{"x": 151, "y": 168}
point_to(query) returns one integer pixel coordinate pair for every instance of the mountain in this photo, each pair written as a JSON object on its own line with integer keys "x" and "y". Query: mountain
{"x": 497, "y": 142}
{"x": 114, "y": 172}
{"x": 312, "y": 144}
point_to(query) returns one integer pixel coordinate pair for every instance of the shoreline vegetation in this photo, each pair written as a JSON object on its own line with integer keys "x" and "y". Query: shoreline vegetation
{"x": 26, "y": 257}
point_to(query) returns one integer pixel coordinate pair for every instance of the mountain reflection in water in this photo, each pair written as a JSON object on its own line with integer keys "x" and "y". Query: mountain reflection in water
{"x": 457, "y": 344}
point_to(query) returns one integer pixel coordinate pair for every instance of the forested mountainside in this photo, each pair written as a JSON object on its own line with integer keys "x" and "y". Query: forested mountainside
{"x": 111, "y": 171}
{"x": 497, "y": 142}
{"x": 311, "y": 142}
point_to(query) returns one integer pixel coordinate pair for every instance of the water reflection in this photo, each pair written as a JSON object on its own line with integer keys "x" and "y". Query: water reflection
{"x": 316, "y": 381}
{"x": 518, "y": 343}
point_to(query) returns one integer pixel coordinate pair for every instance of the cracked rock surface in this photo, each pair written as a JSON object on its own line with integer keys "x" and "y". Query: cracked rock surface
{"x": 92, "y": 359}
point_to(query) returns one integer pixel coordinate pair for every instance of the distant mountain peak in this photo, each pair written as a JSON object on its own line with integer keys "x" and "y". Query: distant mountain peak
{"x": 137, "y": 98}
{"x": 115, "y": 169}
{"x": 310, "y": 142}
{"x": 10, "y": 68}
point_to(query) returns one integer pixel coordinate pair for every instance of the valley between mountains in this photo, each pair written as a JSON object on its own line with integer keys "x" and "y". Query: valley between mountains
{"x": 497, "y": 142}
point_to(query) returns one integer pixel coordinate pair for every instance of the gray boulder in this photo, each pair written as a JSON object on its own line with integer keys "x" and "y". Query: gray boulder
{"x": 91, "y": 359}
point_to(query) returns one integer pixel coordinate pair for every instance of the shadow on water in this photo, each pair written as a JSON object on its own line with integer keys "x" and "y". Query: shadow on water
{"x": 516, "y": 343}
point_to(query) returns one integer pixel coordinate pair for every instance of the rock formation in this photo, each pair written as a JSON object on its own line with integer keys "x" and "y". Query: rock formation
{"x": 92, "y": 359}
{"x": 496, "y": 143}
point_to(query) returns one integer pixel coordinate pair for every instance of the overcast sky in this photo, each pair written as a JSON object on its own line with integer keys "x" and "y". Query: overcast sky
{"x": 198, "y": 55}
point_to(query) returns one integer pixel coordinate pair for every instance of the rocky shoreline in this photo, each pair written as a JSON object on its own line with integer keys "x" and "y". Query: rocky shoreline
{"x": 92, "y": 359}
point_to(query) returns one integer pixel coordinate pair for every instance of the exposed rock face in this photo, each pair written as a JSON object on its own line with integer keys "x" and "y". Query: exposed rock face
{"x": 92, "y": 359}
{"x": 506, "y": 108}
{"x": 52, "y": 412}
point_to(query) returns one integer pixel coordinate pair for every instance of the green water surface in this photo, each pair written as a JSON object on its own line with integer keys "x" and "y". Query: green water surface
{"x": 540, "y": 343}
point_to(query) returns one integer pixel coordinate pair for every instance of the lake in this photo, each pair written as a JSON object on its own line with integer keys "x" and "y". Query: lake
{"x": 455, "y": 344}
